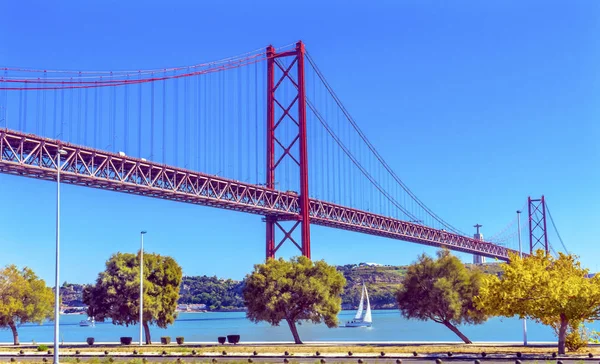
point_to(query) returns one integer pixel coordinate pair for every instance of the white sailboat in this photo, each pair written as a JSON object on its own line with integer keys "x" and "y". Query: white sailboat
{"x": 89, "y": 322}
{"x": 360, "y": 320}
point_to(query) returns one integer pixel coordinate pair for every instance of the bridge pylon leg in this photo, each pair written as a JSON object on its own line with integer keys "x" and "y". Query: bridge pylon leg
{"x": 538, "y": 237}
{"x": 291, "y": 110}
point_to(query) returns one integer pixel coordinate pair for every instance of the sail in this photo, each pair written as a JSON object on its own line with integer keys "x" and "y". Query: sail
{"x": 368, "y": 317}
{"x": 358, "y": 315}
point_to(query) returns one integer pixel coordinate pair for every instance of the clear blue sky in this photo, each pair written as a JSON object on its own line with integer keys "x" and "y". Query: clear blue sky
{"x": 475, "y": 104}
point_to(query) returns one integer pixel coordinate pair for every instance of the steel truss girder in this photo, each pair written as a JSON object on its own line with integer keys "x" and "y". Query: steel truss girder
{"x": 341, "y": 217}
{"x": 33, "y": 156}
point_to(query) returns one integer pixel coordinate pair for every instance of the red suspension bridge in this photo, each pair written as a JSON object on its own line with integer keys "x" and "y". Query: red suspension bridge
{"x": 265, "y": 128}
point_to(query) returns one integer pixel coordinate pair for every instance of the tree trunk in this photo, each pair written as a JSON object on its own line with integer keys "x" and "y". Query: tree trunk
{"x": 294, "y": 331}
{"x": 562, "y": 334}
{"x": 147, "y": 333}
{"x": 457, "y": 332}
{"x": 13, "y": 327}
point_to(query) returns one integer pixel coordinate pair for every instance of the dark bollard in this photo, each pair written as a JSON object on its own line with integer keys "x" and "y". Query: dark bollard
{"x": 477, "y": 361}
{"x": 285, "y": 360}
{"x": 517, "y": 361}
{"x": 438, "y": 361}
{"x": 250, "y": 360}
{"x": 483, "y": 354}
{"x": 360, "y": 361}
{"x": 519, "y": 354}
{"x": 398, "y": 361}
{"x": 450, "y": 353}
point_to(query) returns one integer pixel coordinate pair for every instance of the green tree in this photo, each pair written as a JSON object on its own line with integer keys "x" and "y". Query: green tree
{"x": 23, "y": 298}
{"x": 294, "y": 290}
{"x": 116, "y": 292}
{"x": 441, "y": 290}
{"x": 553, "y": 291}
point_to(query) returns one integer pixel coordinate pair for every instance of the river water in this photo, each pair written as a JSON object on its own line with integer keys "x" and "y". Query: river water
{"x": 388, "y": 325}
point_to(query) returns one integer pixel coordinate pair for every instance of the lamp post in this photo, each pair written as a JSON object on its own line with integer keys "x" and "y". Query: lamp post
{"x": 521, "y": 256}
{"x": 59, "y": 152}
{"x": 141, "y": 284}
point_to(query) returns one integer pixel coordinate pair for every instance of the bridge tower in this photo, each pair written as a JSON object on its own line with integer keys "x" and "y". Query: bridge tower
{"x": 293, "y": 112}
{"x": 538, "y": 237}
{"x": 478, "y": 259}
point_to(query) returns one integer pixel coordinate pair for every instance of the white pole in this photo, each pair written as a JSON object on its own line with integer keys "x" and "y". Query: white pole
{"x": 59, "y": 152}
{"x": 141, "y": 285}
{"x": 521, "y": 255}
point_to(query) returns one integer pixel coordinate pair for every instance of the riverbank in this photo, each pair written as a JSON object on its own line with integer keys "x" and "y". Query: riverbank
{"x": 311, "y": 349}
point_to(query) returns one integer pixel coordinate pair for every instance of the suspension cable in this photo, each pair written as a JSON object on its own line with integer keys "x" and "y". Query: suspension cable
{"x": 374, "y": 151}
{"x": 555, "y": 229}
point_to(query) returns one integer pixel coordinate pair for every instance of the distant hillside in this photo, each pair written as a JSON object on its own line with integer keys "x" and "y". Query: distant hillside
{"x": 217, "y": 294}
{"x": 226, "y": 294}
{"x": 382, "y": 283}
{"x": 72, "y": 296}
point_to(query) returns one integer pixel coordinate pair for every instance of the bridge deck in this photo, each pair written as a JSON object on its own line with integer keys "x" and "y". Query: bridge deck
{"x": 33, "y": 156}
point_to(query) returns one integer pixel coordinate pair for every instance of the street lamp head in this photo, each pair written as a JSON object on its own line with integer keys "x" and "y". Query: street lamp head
{"x": 143, "y": 232}
{"x": 518, "y": 211}
{"x": 62, "y": 152}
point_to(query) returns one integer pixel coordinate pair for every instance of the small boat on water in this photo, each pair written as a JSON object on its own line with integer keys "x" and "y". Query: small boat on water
{"x": 88, "y": 322}
{"x": 361, "y": 320}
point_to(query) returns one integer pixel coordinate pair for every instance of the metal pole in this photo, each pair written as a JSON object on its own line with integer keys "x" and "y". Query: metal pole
{"x": 521, "y": 256}
{"x": 59, "y": 152}
{"x": 141, "y": 285}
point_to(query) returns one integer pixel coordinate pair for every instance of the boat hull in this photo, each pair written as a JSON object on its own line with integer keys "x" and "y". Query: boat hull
{"x": 358, "y": 324}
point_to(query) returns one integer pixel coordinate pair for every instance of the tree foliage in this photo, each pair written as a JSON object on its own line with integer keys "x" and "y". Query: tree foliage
{"x": 292, "y": 291}
{"x": 116, "y": 292}
{"x": 554, "y": 291}
{"x": 441, "y": 290}
{"x": 23, "y": 298}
